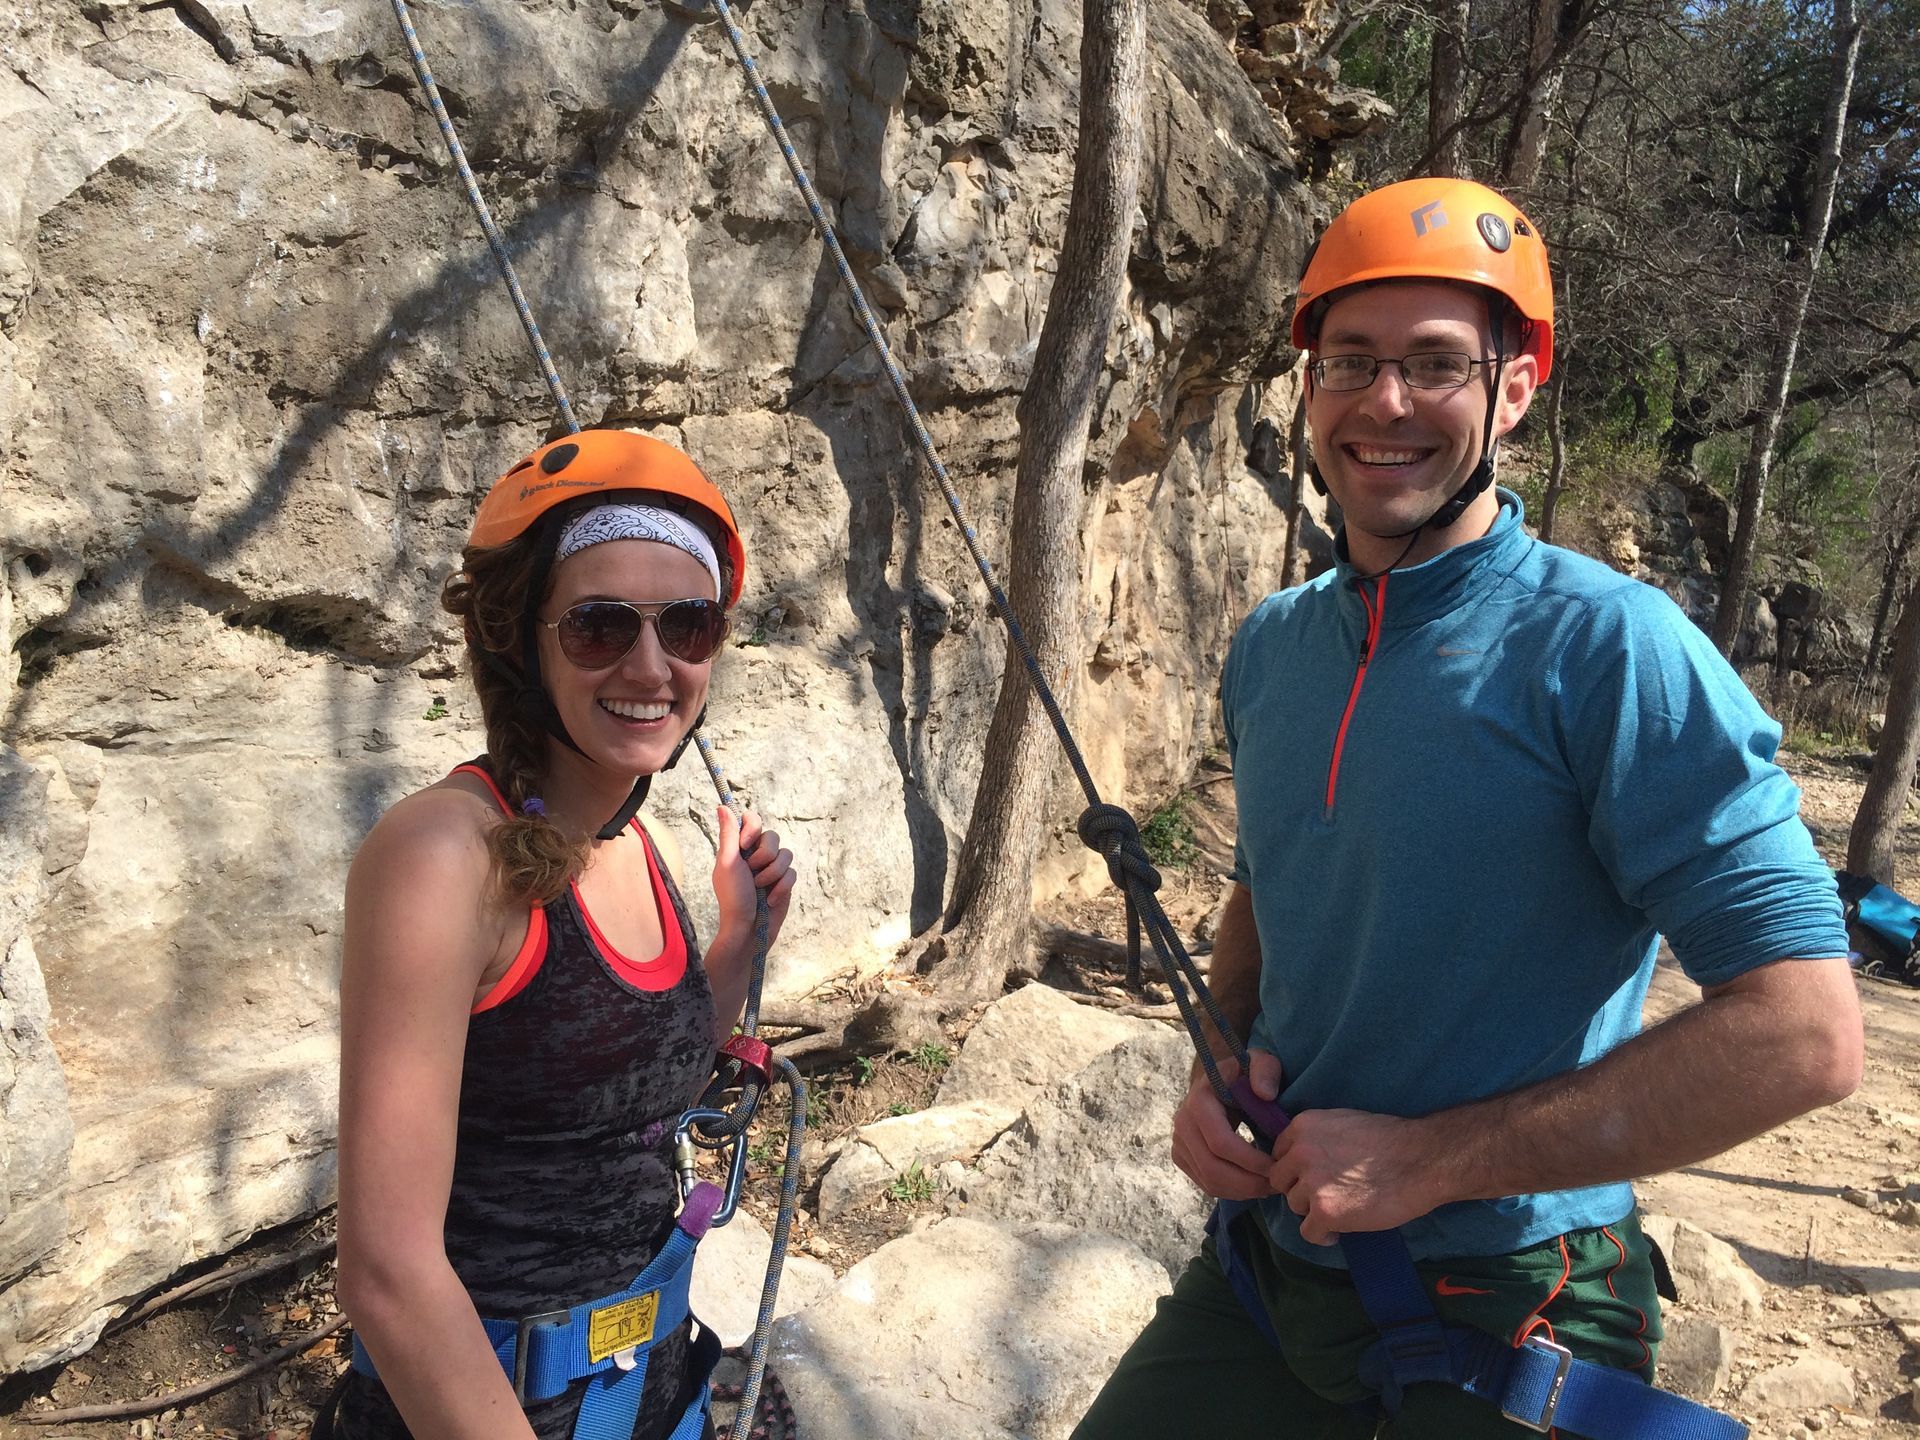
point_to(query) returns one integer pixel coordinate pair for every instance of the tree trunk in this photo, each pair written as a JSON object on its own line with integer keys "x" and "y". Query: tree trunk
{"x": 1556, "y": 26}
{"x": 1298, "y": 458}
{"x": 1870, "y": 844}
{"x": 1889, "y": 587}
{"x": 1447, "y": 89}
{"x": 985, "y": 931}
{"x": 1813, "y": 240}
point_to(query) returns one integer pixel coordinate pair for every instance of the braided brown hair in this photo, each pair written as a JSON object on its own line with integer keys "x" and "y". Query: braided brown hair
{"x": 493, "y": 594}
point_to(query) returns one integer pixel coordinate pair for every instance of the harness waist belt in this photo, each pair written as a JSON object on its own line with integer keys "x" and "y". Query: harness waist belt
{"x": 610, "y": 1338}
{"x": 1538, "y": 1384}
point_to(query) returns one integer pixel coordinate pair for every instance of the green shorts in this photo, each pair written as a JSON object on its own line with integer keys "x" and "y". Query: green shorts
{"x": 1201, "y": 1368}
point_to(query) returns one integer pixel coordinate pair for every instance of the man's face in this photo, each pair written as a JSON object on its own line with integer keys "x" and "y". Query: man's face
{"x": 1391, "y": 454}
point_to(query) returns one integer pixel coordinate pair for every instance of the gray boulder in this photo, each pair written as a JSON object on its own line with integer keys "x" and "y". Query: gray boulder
{"x": 1096, "y": 1153}
{"x": 966, "y": 1331}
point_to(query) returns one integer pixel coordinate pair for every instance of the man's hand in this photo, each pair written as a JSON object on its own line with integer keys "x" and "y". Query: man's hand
{"x": 1206, "y": 1144}
{"x": 1344, "y": 1171}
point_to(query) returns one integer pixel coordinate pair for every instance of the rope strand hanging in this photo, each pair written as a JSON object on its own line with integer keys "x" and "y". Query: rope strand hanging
{"x": 1107, "y": 829}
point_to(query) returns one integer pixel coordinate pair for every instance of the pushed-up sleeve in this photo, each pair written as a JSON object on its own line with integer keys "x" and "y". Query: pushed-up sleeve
{"x": 1696, "y": 824}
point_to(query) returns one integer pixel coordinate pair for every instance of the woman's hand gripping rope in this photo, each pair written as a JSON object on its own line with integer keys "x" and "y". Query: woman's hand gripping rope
{"x": 749, "y": 858}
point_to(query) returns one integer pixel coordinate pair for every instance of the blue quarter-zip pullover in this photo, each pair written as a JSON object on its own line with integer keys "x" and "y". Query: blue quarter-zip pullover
{"x": 1473, "y": 794}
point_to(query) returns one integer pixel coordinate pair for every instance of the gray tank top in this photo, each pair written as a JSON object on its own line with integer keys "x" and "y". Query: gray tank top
{"x": 563, "y": 1185}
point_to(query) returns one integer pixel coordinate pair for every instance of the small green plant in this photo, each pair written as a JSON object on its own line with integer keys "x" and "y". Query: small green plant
{"x": 931, "y": 1056}
{"x": 1168, "y": 835}
{"x": 758, "y": 635}
{"x": 437, "y": 710}
{"x": 863, "y": 1068}
{"x": 762, "y": 1155}
{"x": 816, "y": 1106}
{"x": 899, "y": 1107}
{"x": 912, "y": 1186}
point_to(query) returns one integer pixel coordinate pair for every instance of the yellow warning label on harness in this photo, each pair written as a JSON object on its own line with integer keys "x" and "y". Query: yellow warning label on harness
{"x": 621, "y": 1327}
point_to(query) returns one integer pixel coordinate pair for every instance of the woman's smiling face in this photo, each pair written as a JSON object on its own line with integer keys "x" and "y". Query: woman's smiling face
{"x": 633, "y": 714}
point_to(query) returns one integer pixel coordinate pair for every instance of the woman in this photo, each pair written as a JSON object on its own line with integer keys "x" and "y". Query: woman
{"x": 524, "y": 1011}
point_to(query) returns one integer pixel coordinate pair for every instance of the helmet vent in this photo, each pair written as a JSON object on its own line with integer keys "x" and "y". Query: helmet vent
{"x": 558, "y": 458}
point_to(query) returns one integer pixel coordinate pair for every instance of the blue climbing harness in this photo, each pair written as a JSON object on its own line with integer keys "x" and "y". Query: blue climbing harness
{"x": 1536, "y": 1384}
{"x": 612, "y": 1337}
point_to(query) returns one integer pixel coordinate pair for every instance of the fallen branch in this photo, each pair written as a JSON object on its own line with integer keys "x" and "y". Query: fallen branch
{"x": 176, "y": 1399}
{"x": 1098, "y": 950}
{"x": 217, "y": 1281}
{"x": 1168, "y": 1011}
{"x": 1204, "y": 780}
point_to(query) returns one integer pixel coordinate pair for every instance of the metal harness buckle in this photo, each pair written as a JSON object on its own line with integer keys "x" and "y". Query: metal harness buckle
{"x": 522, "y": 1333}
{"x": 1563, "y": 1362}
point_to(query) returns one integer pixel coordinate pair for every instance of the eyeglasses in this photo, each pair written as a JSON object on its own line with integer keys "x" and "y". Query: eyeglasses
{"x": 1429, "y": 370}
{"x": 596, "y": 634}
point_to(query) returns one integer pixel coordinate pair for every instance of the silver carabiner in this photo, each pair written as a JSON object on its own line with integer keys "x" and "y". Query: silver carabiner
{"x": 684, "y": 1161}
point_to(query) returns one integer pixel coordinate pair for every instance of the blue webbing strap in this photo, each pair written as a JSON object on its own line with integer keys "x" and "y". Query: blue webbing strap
{"x": 1538, "y": 1384}
{"x": 559, "y": 1351}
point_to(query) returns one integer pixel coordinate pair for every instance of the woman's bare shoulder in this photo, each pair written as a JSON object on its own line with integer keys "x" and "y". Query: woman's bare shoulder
{"x": 433, "y": 842}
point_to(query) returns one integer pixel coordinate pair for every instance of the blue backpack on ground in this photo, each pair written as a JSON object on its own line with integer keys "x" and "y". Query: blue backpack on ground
{"x": 1884, "y": 926}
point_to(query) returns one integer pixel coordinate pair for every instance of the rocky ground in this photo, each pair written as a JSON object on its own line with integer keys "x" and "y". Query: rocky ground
{"x": 1798, "y": 1254}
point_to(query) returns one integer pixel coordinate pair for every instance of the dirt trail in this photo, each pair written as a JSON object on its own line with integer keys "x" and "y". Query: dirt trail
{"x": 1833, "y": 1268}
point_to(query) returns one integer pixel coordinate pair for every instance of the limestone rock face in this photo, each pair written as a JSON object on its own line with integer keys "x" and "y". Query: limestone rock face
{"x": 1030, "y": 1041}
{"x": 256, "y": 371}
{"x": 1811, "y": 1382}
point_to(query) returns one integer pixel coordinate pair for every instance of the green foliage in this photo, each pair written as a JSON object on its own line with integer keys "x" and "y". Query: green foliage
{"x": 900, "y": 1107}
{"x": 913, "y": 1186}
{"x": 1168, "y": 835}
{"x": 863, "y": 1068}
{"x": 437, "y": 710}
{"x": 931, "y": 1056}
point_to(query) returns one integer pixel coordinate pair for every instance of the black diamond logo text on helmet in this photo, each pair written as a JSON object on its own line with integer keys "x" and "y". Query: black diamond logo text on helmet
{"x": 558, "y": 458}
{"x": 1493, "y": 230}
{"x": 1428, "y": 217}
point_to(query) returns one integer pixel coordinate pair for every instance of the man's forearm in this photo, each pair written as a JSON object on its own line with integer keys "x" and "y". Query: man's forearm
{"x": 1234, "y": 972}
{"x": 1781, "y": 1041}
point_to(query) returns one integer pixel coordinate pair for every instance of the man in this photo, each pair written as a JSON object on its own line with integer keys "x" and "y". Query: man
{"x": 1477, "y": 778}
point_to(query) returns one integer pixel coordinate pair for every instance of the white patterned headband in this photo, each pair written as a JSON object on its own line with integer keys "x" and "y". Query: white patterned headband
{"x": 639, "y": 522}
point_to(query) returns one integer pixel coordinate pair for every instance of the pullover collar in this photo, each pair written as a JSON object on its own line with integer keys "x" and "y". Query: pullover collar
{"x": 1422, "y": 592}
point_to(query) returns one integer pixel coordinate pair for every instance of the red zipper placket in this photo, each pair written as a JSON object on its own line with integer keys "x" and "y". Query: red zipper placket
{"x": 1376, "y": 607}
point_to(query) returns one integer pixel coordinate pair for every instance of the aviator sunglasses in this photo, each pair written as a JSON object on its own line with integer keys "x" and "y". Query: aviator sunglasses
{"x": 596, "y": 634}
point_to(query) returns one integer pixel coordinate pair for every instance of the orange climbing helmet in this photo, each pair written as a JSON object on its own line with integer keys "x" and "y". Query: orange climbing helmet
{"x": 589, "y": 461}
{"x": 1436, "y": 228}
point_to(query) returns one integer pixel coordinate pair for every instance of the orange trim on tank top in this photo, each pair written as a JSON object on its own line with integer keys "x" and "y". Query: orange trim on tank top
{"x": 662, "y": 972}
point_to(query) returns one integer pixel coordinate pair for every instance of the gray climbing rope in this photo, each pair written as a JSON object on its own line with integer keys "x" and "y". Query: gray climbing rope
{"x": 1107, "y": 829}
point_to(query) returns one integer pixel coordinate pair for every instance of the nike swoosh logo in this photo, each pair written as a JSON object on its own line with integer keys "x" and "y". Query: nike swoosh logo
{"x": 1451, "y": 650}
{"x": 1445, "y": 1286}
